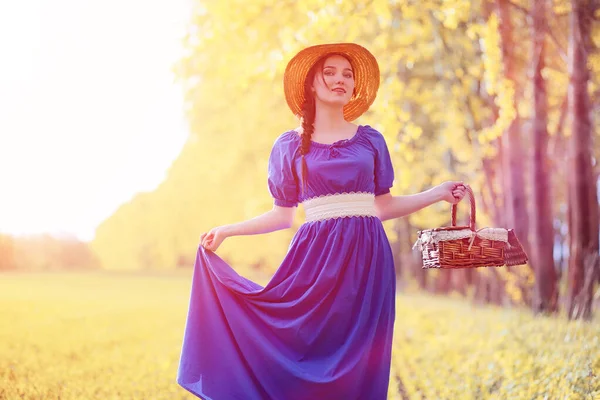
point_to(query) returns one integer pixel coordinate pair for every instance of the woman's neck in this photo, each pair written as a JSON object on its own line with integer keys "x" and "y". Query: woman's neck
{"x": 329, "y": 120}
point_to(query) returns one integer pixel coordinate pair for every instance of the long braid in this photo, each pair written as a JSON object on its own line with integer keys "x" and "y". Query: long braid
{"x": 308, "y": 119}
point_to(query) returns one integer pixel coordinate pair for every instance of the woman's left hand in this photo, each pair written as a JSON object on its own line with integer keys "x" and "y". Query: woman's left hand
{"x": 451, "y": 191}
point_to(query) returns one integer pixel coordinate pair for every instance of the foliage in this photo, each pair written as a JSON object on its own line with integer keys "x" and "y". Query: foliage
{"x": 443, "y": 104}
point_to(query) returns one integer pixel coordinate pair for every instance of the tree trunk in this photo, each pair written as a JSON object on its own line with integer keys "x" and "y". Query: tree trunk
{"x": 513, "y": 155}
{"x": 397, "y": 252}
{"x": 443, "y": 281}
{"x": 412, "y": 258}
{"x": 583, "y": 202}
{"x": 542, "y": 256}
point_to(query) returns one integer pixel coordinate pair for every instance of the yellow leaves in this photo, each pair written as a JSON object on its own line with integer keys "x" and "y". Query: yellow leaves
{"x": 561, "y": 7}
{"x": 507, "y": 113}
{"x": 412, "y": 132}
{"x": 475, "y": 31}
{"x": 451, "y": 13}
{"x": 406, "y": 39}
{"x": 380, "y": 42}
{"x": 476, "y": 71}
{"x": 505, "y": 101}
{"x": 411, "y": 11}
{"x": 489, "y": 134}
{"x": 429, "y": 102}
{"x": 492, "y": 56}
{"x": 594, "y": 61}
{"x": 381, "y": 9}
{"x": 450, "y": 20}
{"x": 353, "y": 33}
{"x": 408, "y": 154}
{"x": 403, "y": 116}
{"x": 463, "y": 153}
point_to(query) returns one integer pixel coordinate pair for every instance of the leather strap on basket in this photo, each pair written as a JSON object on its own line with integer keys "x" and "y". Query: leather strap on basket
{"x": 472, "y": 212}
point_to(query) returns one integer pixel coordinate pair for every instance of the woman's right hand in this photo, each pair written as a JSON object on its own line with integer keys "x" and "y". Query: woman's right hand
{"x": 212, "y": 239}
{"x": 275, "y": 219}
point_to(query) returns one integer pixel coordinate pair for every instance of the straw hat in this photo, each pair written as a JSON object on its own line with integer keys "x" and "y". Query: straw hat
{"x": 366, "y": 76}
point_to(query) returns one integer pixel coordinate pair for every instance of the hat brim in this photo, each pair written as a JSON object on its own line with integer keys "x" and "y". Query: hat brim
{"x": 366, "y": 76}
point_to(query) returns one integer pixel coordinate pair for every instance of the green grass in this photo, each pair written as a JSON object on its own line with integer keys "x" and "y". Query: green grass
{"x": 91, "y": 336}
{"x": 108, "y": 335}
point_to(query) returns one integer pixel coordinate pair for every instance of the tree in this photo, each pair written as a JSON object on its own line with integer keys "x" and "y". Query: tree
{"x": 513, "y": 156}
{"x": 583, "y": 201}
{"x": 545, "y": 290}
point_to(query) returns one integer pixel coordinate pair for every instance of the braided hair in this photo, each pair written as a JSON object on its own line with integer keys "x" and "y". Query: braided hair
{"x": 308, "y": 119}
{"x": 309, "y": 112}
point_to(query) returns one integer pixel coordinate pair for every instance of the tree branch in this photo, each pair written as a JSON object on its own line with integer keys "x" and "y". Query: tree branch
{"x": 561, "y": 50}
{"x": 520, "y": 8}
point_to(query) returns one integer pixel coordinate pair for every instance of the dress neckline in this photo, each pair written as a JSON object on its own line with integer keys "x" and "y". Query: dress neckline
{"x": 338, "y": 143}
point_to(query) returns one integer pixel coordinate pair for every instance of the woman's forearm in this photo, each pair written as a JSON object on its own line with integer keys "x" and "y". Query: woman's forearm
{"x": 273, "y": 220}
{"x": 389, "y": 207}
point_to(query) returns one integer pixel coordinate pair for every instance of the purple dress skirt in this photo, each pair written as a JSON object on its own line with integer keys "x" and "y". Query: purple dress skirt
{"x": 322, "y": 327}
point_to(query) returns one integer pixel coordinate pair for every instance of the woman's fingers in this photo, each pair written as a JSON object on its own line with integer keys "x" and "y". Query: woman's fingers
{"x": 210, "y": 244}
{"x": 206, "y": 238}
{"x": 458, "y": 189}
{"x": 459, "y": 192}
{"x": 212, "y": 239}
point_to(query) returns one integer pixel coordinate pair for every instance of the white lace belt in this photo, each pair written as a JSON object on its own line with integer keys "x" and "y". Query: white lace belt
{"x": 339, "y": 206}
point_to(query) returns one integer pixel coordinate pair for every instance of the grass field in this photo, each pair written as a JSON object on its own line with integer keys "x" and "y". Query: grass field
{"x": 103, "y": 335}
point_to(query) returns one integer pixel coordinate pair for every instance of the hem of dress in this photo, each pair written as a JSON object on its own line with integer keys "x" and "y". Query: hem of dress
{"x": 200, "y": 395}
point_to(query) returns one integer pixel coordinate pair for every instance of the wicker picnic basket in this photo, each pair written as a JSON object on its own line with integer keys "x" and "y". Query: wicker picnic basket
{"x": 464, "y": 247}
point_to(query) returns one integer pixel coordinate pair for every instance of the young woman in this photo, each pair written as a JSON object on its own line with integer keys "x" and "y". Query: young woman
{"x": 322, "y": 327}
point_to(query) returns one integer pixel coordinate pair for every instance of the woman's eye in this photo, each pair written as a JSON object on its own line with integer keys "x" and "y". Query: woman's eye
{"x": 331, "y": 73}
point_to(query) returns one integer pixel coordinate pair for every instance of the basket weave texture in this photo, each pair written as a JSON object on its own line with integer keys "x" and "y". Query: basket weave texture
{"x": 465, "y": 247}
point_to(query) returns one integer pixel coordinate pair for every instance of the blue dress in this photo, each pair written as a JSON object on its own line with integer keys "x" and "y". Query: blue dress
{"x": 322, "y": 327}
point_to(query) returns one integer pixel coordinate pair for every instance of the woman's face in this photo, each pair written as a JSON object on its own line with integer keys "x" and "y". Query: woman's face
{"x": 334, "y": 83}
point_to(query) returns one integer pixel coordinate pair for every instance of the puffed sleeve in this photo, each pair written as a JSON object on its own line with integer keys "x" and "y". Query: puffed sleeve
{"x": 384, "y": 170}
{"x": 282, "y": 176}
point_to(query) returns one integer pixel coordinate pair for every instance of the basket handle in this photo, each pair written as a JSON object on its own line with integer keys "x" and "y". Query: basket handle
{"x": 472, "y": 211}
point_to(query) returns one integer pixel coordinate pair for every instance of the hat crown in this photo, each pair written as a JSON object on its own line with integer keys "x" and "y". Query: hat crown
{"x": 366, "y": 76}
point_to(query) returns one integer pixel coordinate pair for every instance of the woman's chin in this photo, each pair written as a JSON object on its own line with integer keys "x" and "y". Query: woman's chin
{"x": 336, "y": 103}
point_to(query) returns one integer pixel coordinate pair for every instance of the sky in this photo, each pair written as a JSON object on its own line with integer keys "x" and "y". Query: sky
{"x": 90, "y": 112}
